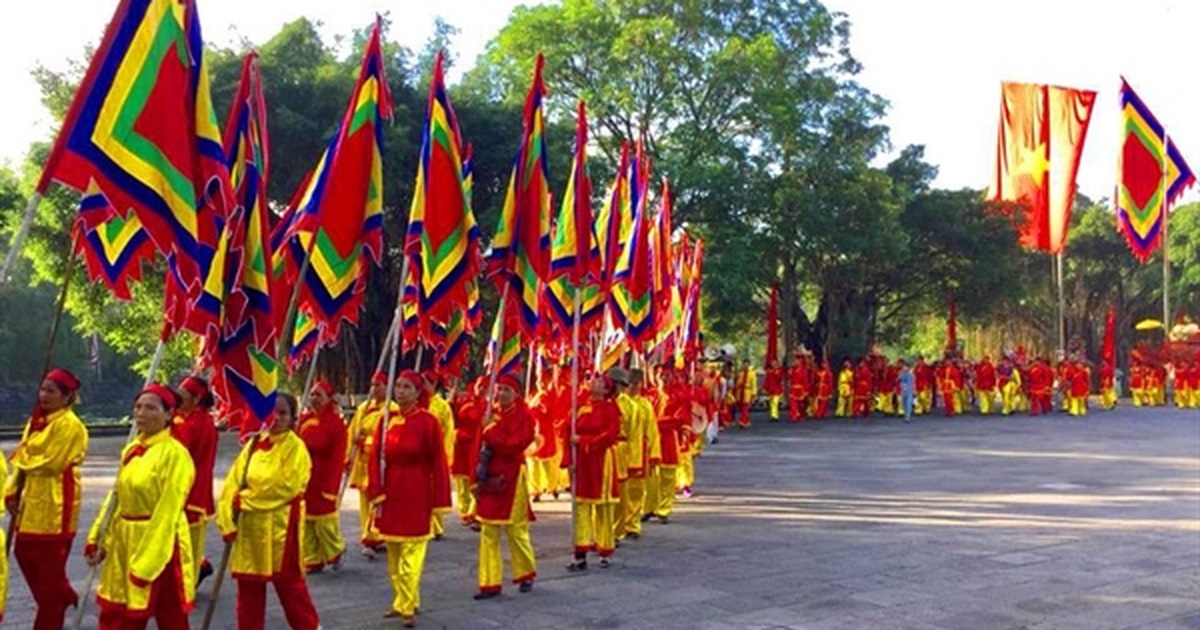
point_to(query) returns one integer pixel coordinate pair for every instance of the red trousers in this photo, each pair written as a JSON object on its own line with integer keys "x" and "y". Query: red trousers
{"x": 44, "y": 565}
{"x": 948, "y": 403}
{"x": 743, "y": 414}
{"x": 1040, "y": 404}
{"x": 293, "y": 597}
{"x": 797, "y": 408}
{"x": 862, "y": 405}
{"x": 822, "y": 410}
{"x": 166, "y": 605}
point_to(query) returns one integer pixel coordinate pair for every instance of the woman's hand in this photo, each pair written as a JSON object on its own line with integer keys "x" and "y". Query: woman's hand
{"x": 95, "y": 554}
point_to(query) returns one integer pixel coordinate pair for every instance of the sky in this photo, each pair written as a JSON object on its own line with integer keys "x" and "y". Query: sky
{"x": 939, "y": 62}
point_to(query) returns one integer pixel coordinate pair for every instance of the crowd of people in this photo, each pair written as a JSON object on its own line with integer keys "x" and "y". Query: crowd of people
{"x": 624, "y": 455}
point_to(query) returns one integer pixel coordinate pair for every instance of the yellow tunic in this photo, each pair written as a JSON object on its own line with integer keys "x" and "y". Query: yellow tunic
{"x": 47, "y": 466}
{"x": 653, "y": 440}
{"x": 628, "y": 408}
{"x": 271, "y": 494}
{"x": 362, "y": 431}
{"x": 148, "y": 524}
{"x": 445, "y": 417}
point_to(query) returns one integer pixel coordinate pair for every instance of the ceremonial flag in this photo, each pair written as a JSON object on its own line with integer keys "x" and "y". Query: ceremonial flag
{"x": 1151, "y": 174}
{"x": 115, "y": 248}
{"x": 952, "y": 327}
{"x": 691, "y": 309}
{"x": 339, "y": 215}
{"x": 632, "y": 295}
{"x": 571, "y": 254}
{"x": 1042, "y": 132}
{"x": 503, "y": 353}
{"x": 612, "y": 224}
{"x": 141, "y": 131}
{"x": 443, "y": 238}
{"x": 663, "y": 276}
{"x": 772, "y": 357}
{"x": 453, "y": 357}
{"x": 246, "y": 374}
{"x": 520, "y": 255}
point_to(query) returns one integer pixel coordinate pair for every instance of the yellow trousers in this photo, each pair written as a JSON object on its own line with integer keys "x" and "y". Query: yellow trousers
{"x": 405, "y": 562}
{"x": 1183, "y": 398}
{"x": 437, "y": 526}
{"x": 1108, "y": 398}
{"x": 323, "y": 542}
{"x": 520, "y": 547}
{"x": 464, "y": 498}
{"x": 1077, "y": 406}
{"x": 924, "y": 402}
{"x": 3, "y": 569}
{"x": 685, "y": 473}
{"x": 366, "y": 538}
{"x": 543, "y": 475}
{"x": 631, "y": 507}
{"x": 1139, "y": 396}
{"x": 594, "y": 528}
{"x": 1010, "y": 398}
{"x": 774, "y": 401}
{"x": 843, "y": 407}
{"x": 986, "y": 401}
{"x": 196, "y": 532}
{"x": 664, "y": 497}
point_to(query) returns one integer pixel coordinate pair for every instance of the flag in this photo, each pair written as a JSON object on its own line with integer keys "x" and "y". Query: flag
{"x": 571, "y": 254}
{"x": 503, "y": 353}
{"x": 1108, "y": 351}
{"x": 453, "y": 357}
{"x": 1042, "y": 132}
{"x": 632, "y": 297}
{"x": 141, "y": 131}
{"x": 246, "y": 374}
{"x": 691, "y": 308}
{"x": 611, "y": 226}
{"x": 662, "y": 264}
{"x": 339, "y": 213}
{"x": 442, "y": 238}
{"x": 952, "y": 327}
{"x": 115, "y": 247}
{"x": 1151, "y": 174}
{"x": 772, "y": 357}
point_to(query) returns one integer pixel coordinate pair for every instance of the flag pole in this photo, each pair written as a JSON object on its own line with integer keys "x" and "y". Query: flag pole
{"x": 22, "y": 232}
{"x": 1062, "y": 311}
{"x": 308, "y": 380}
{"x": 289, "y": 320}
{"x": 110, "y": 500}
{"x": 496, "y": 358}
{"x": 393, "y": 348}
{"x": 1166, "y": 290}
{"x": 575, "y": 399}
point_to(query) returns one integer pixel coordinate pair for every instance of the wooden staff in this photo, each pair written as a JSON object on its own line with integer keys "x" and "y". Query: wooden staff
{"x": 228, "y": 550}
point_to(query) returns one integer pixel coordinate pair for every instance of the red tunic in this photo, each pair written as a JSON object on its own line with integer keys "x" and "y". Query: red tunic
{"x": 1080, "y": 382}
{"x": 985, "y": 377}
{"x": 1106, "y": 376}
{"x": 824, "y": 383}
{"x": 546, "y": 414}
{"x": 415, "y": 482}
{"x": 468, "y": 417}
{"x": 773, "y": 382}
{"x": 507, "y": 437}
{"x": 675, "y": 416}
{"x": 325, "y": 436}
{"x": 923, "y": 376}
{"x": 598, "y": 430}
{"x": 799, "y": 381}
{"x": 198, "y": 434}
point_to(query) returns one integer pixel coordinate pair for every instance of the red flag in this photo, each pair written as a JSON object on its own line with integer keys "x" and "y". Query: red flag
{"x": 1108, "y": 352}
{"x": 1042, "y": 131}
{"x": 773, "y": 327}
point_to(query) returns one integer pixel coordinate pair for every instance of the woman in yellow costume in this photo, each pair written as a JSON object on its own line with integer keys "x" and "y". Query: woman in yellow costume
{"x": 261, "y": 512}
{"x": 44, "y": 495}
{"x": 146, "y": 549}
{"x": 361, "y": 439}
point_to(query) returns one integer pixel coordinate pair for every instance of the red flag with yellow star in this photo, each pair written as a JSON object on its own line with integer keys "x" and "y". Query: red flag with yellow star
{"x": 1042, "y": 131}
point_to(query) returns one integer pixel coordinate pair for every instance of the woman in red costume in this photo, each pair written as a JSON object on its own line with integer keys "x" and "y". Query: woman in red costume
{"x": 596, "y": 490}
{"x": 195, "y": 429}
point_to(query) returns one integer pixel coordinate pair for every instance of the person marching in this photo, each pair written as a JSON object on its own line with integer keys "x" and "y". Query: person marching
{"x": 44, "y": 494}
{"x": 261, "y": 511}
{"x": 985, "y": 385}
{"x": 923, "y": 376}
{"x": 825, "y": 391}
{"x": 745, "y": 389}
{"x": 1079, "y": 388}
{"x": 323, "y": 431}
{"x": 543, "y": 460}
{"x": 411, "y": 487}
{"x": 676, "y": 414}
{"x": 441, "y": 410}
{"x": 845, "y": 389}
{"x": 798, "y": 388}
{"x": 773, "y": 386}
{"x": 468, "y": 417}
{"x": 361, "y": 434}
{"x": 146, "y": 550}
{"x": 503, "y": 499}
{"x": 194, "y": 428}
{"x": 633, "y": 489}
{"x": 864, "y": 381}
{"x": 906, "y": 389}
{"x": 597, "y": 431}
{"x": 1108, "y": 392}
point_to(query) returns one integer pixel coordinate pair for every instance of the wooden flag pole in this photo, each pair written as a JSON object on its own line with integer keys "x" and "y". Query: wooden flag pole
{"x": 22, "y": 232}
{"x": 1166, "y": 258}
{"x": 308, "y": 380}
{"x": 575, "y": 402}
{"x": 393, "y": 347}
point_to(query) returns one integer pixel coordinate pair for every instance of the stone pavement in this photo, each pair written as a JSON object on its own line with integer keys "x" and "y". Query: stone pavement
{"x": 966, "y": 523}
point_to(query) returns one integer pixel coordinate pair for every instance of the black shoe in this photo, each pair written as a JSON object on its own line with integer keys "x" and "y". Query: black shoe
{"x": 482, "y": 595}
{"x": 438, "y": 536}
{"x": 633, "y": 535}
{"x": 577, "y": 566}
{"x": 663, "y": 520}
{"x": 605, "y": 563}
{"x": 526, "y": 586}
{"x": 647, "y": 517}
{"x": 205, "y": 571}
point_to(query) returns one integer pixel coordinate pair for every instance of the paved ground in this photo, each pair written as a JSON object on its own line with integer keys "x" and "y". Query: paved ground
{"x": 968, "y": 523}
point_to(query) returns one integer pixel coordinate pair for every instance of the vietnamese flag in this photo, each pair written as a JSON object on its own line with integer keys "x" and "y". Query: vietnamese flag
{"x": 1041, "y": 137}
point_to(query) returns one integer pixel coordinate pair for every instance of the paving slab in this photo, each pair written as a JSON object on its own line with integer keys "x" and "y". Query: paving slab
{"x": 942, "y": 524}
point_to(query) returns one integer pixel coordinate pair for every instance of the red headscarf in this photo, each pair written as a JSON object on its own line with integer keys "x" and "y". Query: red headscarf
{"x": 510, "y": 380}
{"x": 194, "y": 386}
{"x": 169, "y": 398}
{"x": 379, "y": 378}
{"x": 412, "y": 376}
{"x": 64, "y": 379}
{"x": 323, "y": 385}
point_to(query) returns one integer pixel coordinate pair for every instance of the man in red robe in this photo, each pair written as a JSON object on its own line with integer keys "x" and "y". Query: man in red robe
{"x": 798, "y": 388}
{"x": 773, "y": 386}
